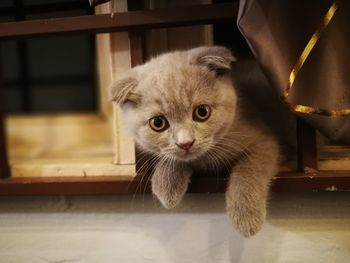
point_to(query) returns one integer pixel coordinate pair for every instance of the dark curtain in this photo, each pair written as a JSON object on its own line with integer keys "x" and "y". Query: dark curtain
{"x": 303, "y": 48}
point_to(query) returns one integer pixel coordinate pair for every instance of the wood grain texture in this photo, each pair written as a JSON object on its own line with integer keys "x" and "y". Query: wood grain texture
{"x": 62, "y": 145}
{"x": 119, "y": 22}
{"x": 304, "y": 180}
{"x": 114, "y": 60}
{"x": 159, "y": 41}
{"x": 323, "y": 181}
{"x": 307, "y": 147}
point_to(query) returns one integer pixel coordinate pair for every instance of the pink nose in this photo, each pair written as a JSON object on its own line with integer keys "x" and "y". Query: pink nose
{"x": 186, "y": 145}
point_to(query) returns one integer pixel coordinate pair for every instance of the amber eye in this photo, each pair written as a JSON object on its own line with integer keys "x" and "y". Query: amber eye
{"x": 201, "y": 113}
{"x": 159, "y": 123}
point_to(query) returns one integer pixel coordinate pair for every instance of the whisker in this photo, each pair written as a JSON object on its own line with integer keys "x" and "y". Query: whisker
{"x": 148, "y": 164}
{"x": 148, "y": 179}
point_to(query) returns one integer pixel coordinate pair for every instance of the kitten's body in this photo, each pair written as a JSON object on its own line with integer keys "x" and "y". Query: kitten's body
{"x": 173, "y": 87}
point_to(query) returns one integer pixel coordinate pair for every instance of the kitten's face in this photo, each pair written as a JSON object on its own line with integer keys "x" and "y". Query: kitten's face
{"x": 179, "y": 109}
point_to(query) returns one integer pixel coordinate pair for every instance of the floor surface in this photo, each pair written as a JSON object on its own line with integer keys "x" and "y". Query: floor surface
{"x": 301, "y": 227}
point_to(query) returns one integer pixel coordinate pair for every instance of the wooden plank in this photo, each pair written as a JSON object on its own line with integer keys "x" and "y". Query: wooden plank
{"x": 307, "y": 147}
{"x": 61, "y": 136}
{"x": 126, "y": 21}
{"x": 137, "y": 57}
{"x": 62, "y": 145}
{"x": 334, "y": 158}
{"x": 320, "y": 181}
{"x": 104, "y": 67}
{"x": 159, "y": 41}
{"x": 121, "y": 63}
{"x": 22, "y": 51}
{"x": 136, "y": 38}
{"x": 324, "y": 181}
{"x": 67, "y": 186}
{"x": 69, "y": 167}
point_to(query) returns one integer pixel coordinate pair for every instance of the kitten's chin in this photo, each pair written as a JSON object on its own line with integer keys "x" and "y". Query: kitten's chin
{"x": 187, "y": 156}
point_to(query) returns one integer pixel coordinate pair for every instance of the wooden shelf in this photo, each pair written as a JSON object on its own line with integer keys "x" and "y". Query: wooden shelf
{"x": 62, "y": 145}
{"x": 43, "y": 143}
{"x": 118, "y": 22}
{"x": 89, "y": 185}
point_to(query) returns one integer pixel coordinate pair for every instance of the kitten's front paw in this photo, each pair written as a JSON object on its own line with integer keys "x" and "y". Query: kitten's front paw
{"x": 245, "y": 218}
{"x": 170, "y": 199}
{"x": 170, "y": 185}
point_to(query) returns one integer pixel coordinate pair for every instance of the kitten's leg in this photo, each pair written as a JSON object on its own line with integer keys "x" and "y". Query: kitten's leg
{"x": 169, "y": 183}
{"x": 248, "y": 187}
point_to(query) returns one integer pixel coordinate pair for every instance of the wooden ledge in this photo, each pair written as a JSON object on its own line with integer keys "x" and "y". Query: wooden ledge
{"x": 126, "y": 21}
{"x": 92, "y": 185}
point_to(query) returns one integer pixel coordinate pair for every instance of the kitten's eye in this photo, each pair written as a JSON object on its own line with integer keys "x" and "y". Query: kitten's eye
{"x": 159, "y": 123}
{"x": 201, "y": 113}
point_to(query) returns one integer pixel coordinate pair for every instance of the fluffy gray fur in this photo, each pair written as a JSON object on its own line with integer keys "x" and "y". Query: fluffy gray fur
{"x": 173, "y": 85}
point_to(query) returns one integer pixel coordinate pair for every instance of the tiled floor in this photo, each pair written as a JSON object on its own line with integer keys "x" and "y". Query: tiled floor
{"x": 312, "y": 227}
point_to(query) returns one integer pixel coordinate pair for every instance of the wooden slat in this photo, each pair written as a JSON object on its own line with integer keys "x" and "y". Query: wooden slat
{"x": 133, "y": 20}
{"x": 136, "y": 37}
{"x": 307, "y": 147}
{"x": 137, "y": 57}
{"x": 320, "y": 181}
{"x": 324, "y": 181}
{"x": 67, "y": 185}
{"x": 140, "y": 20}
{"x": 120, "y": 63}
{"x": 22, "y": 52}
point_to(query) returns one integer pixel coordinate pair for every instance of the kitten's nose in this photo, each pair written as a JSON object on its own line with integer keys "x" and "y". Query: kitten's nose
{"x": 185, "y": 145}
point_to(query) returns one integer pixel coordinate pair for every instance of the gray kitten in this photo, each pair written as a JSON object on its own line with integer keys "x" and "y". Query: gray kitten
{"x": 183, "y": 108}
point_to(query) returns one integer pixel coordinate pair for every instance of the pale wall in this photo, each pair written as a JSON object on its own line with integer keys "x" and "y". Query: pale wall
{"x": 312, "y": 227}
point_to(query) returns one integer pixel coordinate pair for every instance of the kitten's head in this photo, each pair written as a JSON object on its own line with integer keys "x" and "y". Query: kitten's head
{"x": 179, "y": 104}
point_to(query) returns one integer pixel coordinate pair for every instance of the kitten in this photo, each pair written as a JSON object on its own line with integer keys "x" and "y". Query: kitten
{"x": 183, "y": 108}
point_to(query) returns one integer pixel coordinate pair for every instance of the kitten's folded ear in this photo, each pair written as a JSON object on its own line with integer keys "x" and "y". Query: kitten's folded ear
{"x": 122, "y": 90}
{"x": 215, "y": 58}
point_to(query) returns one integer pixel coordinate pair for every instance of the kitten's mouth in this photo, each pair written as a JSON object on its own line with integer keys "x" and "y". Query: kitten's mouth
{"x": 187, "y": 155}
